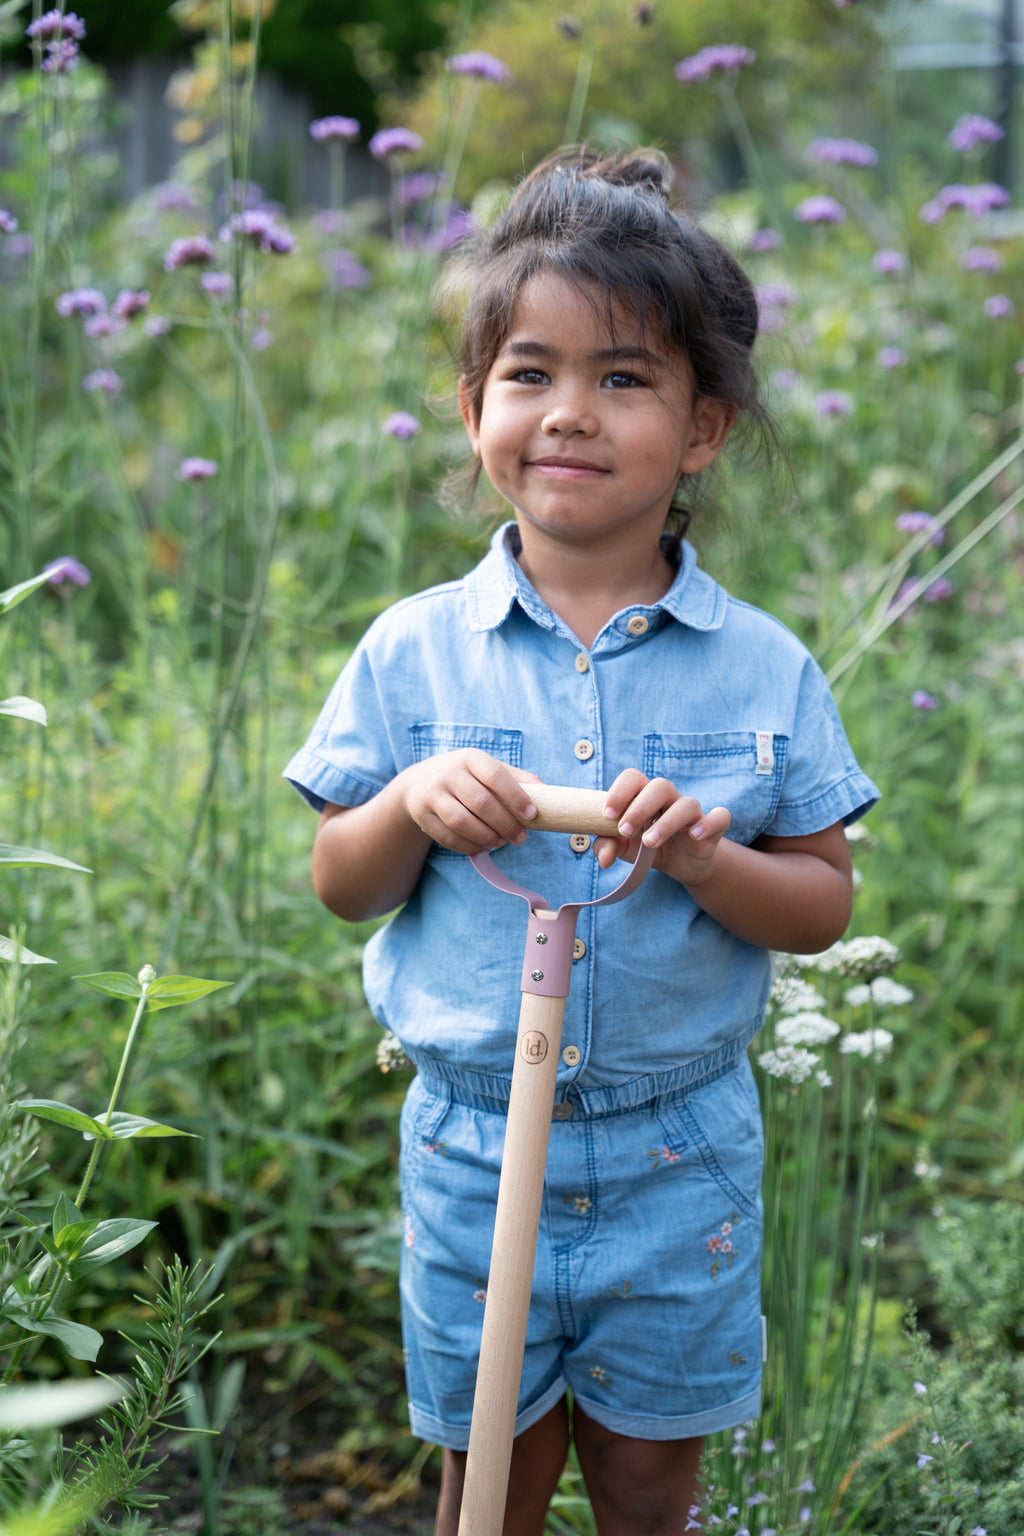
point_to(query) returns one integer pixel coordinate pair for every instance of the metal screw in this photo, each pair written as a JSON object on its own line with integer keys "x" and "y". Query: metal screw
{"x": 542, "y": 938}
{"x": 537, "y": 975}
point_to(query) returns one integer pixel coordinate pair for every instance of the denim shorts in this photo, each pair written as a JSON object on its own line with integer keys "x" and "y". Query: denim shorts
{"x": 646, "y": 1295}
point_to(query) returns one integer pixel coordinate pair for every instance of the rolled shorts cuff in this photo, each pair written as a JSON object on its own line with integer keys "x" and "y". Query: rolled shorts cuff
{"x": 639, "y": 1426}
{"x": 455, "y": 1437}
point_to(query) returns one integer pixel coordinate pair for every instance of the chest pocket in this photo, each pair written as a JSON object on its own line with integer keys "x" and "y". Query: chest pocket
{"x": 431, "y": 737}
{"x": 721, "y": 768}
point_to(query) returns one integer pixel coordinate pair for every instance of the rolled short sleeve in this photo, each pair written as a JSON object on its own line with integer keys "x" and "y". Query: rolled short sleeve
{"x": 349, "y": 754}
{"x": 823, "y": 783}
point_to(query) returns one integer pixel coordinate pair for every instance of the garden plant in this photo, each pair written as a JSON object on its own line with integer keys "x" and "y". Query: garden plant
{"x": 224, "y": 421}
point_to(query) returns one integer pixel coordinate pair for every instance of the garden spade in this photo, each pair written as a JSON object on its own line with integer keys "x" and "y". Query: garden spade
{"x": 547, "y": 962}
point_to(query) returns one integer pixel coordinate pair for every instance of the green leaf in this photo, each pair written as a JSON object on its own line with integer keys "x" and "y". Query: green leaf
{"x": 56, "y": 1402}
{"x": 70, "y": 1238}
{"x": 170, "y": 991}
{"x": 24, "y": 709}
{"x": 124, "y": 1126}
{"x": 81, "y": 1343}
{"x": 64, "y": 1114}
{"x": 11, "y": 855}
{"x": 15, "y": 595}
{"x": 113, "y": 983}
{"x": 107, "y": 1242}
{"x": 11, "y": 951}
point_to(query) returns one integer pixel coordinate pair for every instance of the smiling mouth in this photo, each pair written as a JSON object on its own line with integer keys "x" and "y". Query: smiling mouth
{"x": 567, "y": 467}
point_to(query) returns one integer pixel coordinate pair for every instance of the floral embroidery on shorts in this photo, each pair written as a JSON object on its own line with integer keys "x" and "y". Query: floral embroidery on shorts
{"x": 662, "y": 1155}
{"x": 480, "y": 1295}
{"x": 721, "y": 1246}
{"x": 580, "y": 1203}
{"x": 626, "y": 1294}
{"x": 433, "y": 1145}
{"x": 601, "y": 1376}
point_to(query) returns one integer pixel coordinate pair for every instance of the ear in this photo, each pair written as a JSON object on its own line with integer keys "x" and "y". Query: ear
{"x": 470, "y": 417}
{"x": 709, "y": 431}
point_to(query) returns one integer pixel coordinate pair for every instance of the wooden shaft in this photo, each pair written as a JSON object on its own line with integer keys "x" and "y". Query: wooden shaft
{"x": 569, "y": 810}
{"x": 514, "y": 1249}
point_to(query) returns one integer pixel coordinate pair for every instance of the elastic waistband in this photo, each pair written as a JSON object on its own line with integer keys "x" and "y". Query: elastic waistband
{"x": 491, "y": 1094}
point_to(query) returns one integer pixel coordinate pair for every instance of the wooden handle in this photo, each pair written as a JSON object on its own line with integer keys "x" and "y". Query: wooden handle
{"x": 510, "y": 1280}
{"x": 569, "y": 810}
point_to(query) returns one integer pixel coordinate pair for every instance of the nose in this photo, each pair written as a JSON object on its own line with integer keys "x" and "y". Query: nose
{"x": 570, "y": 414}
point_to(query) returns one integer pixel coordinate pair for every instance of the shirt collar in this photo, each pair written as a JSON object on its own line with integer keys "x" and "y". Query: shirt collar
{"x": 694, "y": 598}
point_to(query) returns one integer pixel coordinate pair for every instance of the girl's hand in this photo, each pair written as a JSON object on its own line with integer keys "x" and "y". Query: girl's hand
{"x": 685, "y": 836}
{"x": 467, "y": 801}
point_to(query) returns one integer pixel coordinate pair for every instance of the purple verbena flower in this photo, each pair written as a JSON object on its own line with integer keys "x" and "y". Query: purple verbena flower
{"x": 785, "y": 378}
{"x": 188, "y": 250}
{"x": 833, "y": 402}
{"x": 922, "y": 700}
{"x": 104, "y": 381}
{"x": 325, "y": 129}
{"x": 891, "y": 357}
{"x": 981, "y": 258}
{"x": 348, "y": 271}
{"x": 8, "y": 223}
{"x": 81, "y": 301}
{"x": 394, "y": 141}
{"x": 174, "y": 194}
{"x": 820, "y": 209}
{"x": 938, "y": 590}
{"x": 61, "y": 57}
{"x": 402, "y": 425}
{"x": 484, "y": 66}
{"x": 130, "y": 302}
{"x": 261, "y": 227}
{"x": 979, "y": 1530}
{"x": 976, "y": 200}
{"x": 197, "y": 469}
{"x": 67, "y": 568}
{"x": 921, "y": 522}
{"x": 103, "y": 325}
{"x": 998, "y": 306}
{"x": 923, "y": 1460}
{"x": 156, "y": 325}
{"x": 920, "y": 1388}
{"x": 262, "y": 338}
{"x": 842, "y": 152}
{"x": 807, "y": 1486}
{"x": 972, "y": 129}
{"x": 21, "y": 245}
{"x": 764, "y": 240}
{"x": 724, "y": 58}
{"x": 887, "y": 261}
{"x": 219, "y": 285}
{"x": 55, "y": 24}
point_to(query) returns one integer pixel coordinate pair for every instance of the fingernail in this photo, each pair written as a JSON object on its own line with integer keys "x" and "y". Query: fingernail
{"x": 520, "y": 837}
{"x": 650, "y": 839}
{"x": 626, "y": 828}
{"x": 609, "y": 813}
{"x": 698, "y": 830}
{"x": 531, "y": 811}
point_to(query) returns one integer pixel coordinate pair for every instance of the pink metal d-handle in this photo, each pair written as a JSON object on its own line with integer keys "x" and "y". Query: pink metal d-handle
{"x": 547, "y": 964}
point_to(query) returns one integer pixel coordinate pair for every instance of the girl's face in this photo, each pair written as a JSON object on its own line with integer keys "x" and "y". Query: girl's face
{"x": 584, "y": 427}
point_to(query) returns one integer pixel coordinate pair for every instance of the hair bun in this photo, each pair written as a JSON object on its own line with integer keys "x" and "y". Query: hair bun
{"x": 646, "y": 169}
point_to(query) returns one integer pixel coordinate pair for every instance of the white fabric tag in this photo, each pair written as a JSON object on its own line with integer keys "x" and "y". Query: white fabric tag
{"x": 765, "y": 752}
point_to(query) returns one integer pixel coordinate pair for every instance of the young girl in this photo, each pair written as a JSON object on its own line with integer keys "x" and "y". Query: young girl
{"x": 606, "y": 355}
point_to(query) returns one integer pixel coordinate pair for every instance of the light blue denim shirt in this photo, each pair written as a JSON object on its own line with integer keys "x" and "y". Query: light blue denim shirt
{"x": 699, "y": 688}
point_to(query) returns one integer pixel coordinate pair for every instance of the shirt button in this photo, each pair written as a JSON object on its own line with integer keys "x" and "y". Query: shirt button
{"x": 579, "y": 842}
{"x": 582, "y": 662}
{"x": 579, "y": 949}
{"x": 572, "y": 1056}
{"x": 584, "y": 750}
{"x": 562, "y": 1112}
{"x": 638, "y": 625}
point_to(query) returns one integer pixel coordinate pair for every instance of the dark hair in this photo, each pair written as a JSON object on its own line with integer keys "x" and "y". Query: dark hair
{"x": 604, "y": 224}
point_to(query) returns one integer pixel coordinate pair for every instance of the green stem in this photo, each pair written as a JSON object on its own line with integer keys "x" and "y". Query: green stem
{"x": 581, "y": 85}
{"x": 126, "y": 1055}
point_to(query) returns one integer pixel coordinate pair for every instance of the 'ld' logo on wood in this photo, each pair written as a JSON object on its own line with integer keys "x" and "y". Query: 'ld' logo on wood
{"x": 533, "y": 1047}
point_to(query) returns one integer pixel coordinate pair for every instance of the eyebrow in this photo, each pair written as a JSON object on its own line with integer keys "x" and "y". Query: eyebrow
{"x": 606, "y": 356}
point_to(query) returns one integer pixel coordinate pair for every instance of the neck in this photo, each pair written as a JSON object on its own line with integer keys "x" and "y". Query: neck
{"x": 587, "y": 586}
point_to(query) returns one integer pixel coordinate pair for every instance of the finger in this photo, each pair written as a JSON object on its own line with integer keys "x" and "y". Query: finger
{"x": 608, "y": 849}
{"x": 623, "y": 792}
{"x": 509, "y": 786}
{"x": 713, "y": 826}
{"x": 683, "y": 813}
